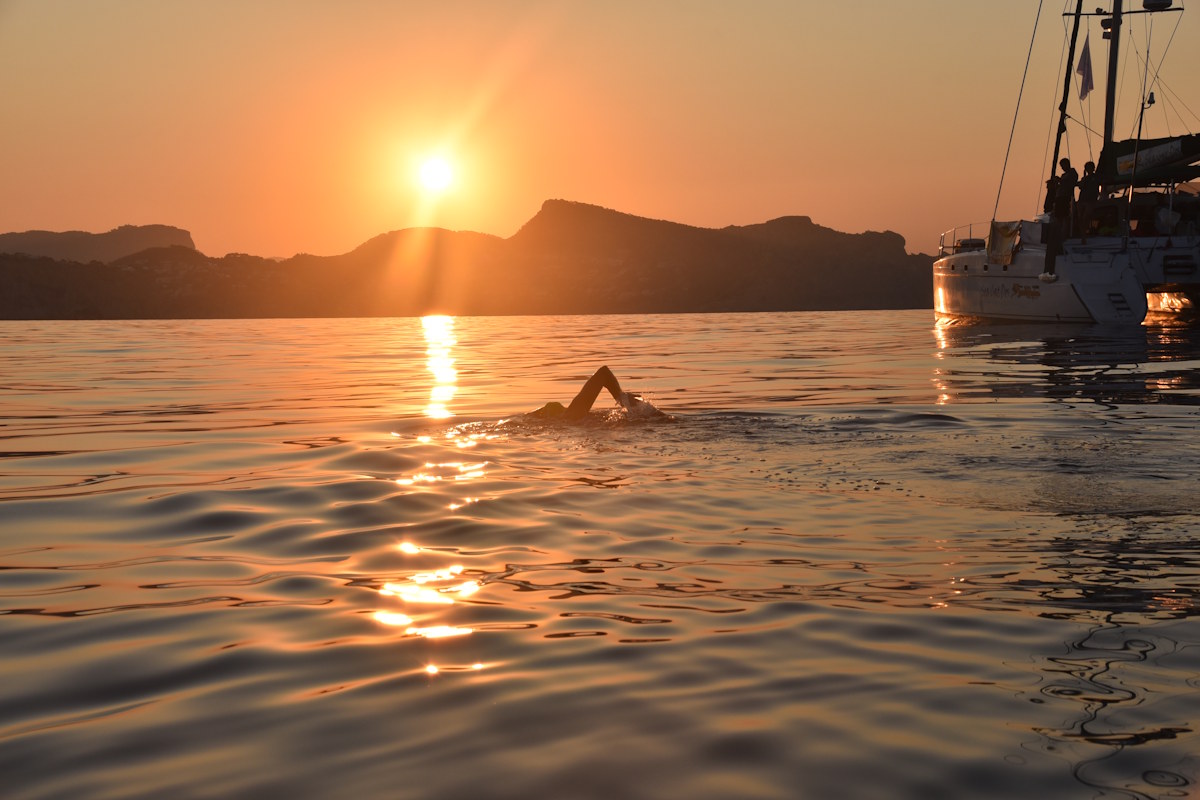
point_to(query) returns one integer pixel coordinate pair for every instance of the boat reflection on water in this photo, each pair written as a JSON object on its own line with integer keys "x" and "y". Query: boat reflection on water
{"x": 1129, "y": 591}
{"x": 1107, "y": 365}
{"x": 1112, "y": 676}
{"x": 1123, "y": 579}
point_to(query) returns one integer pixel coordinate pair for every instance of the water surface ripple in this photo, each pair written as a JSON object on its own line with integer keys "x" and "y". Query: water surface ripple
{"x": 863, "y": 558}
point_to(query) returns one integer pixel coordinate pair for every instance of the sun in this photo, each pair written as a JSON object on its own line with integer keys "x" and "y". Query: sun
{"x": 435, "y": 174}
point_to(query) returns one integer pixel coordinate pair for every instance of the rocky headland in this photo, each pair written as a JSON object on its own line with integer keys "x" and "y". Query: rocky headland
{"x": 570, "y": 258}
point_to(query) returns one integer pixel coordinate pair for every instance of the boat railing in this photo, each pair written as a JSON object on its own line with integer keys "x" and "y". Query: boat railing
{"x": 964, "y": 238}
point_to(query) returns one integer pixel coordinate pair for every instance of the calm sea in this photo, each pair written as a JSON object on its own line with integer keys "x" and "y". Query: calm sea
{"x": 866, "y": 559}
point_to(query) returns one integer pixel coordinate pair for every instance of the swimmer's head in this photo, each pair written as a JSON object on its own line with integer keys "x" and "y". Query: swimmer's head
{"x": 551, "y": 409}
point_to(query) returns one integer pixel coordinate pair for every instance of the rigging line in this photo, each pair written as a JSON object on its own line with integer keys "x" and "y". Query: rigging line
{"x": 1172, "y": 94}
{"x": 1086, "y": 128}
{"x": 1167, "y": 49}
{"x": 1050, "y": 127}
{"x": 1157, "y": 81}
{"x": 1144, "y": 68}
{"x": 1149, "y": 80}
{"x": 1016, "y": 112}
{"x": 1083, "y": 112}
{"x": 1137, "y": 140}
{"x": 1163, "y": 85}
{"x": 1125, "y": 68}
{"x": 1146, "y": 80}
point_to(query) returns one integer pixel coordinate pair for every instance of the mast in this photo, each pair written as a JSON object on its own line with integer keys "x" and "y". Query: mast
{"x": 1112, "y": 28}
{"x": 1062, "y": 107}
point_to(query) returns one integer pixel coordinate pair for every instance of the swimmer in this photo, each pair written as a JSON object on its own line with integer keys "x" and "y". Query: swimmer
{"x": 582, "y": 404}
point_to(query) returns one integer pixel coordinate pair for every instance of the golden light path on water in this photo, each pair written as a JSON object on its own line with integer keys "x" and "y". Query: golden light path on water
{"x": 439, "y": 340}
{"x": 939, "y": 377}
{"x": 441, "y": 587}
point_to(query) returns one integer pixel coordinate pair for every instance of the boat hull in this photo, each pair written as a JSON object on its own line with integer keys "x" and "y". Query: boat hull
{"x": 966, "y": 286}
{"x": 1103, "y": 280}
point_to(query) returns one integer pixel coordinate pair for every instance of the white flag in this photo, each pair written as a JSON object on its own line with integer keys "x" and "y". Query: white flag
{"x": 1085, "y": 69}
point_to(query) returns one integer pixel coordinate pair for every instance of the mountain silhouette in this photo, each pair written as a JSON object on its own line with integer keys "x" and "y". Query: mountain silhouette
{"x": 85, "y": 247}
{"x": 570, "y": 258}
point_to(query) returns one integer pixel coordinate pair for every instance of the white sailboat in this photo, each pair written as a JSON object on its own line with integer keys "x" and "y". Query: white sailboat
{"x": 1106, "y": 260}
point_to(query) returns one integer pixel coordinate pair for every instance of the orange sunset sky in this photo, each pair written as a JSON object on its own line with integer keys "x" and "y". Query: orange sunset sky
{"x": 281, "y": 126}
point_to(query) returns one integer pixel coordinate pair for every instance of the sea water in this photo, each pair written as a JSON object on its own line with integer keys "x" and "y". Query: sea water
{"x": 864, "y": 558}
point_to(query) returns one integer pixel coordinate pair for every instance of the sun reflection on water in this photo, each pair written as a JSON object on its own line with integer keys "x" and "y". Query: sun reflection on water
{"x": 462, "y": 437}
{"x": 439, "y": 339}
{"x": 438, "y": 631}
{"x": 393, "y": 618}
{"x": 439, "y": 587}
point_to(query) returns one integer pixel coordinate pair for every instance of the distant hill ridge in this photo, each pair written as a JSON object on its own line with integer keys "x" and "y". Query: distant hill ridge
{"x": 87, "y": 247}
{"x": 570, "y": 258}
{"x": 579, "y": 226}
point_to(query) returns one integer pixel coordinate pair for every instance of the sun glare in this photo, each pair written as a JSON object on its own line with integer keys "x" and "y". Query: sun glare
{"x": 435, "y": 174}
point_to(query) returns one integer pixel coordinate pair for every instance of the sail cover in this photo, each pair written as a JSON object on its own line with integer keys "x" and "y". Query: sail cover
{"x": 1151, "y": 161}
{"x": 1002, "y": 240}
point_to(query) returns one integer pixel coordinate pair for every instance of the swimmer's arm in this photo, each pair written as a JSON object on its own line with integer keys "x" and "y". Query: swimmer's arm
{"x": 602, "y": 379}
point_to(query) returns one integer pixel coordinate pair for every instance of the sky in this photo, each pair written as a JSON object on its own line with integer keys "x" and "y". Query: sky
{"x": 276, "y": 127}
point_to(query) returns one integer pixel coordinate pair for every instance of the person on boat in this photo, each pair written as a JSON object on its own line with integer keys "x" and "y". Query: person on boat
{"x": 1064, "y": 208}
{"x": 1089, "y": 194}
{"x": 1089, "y": 184}
{"x": 603, "y": 379}
{"x": 1064, "y": 197}
{"x": 1051, "y": 193}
